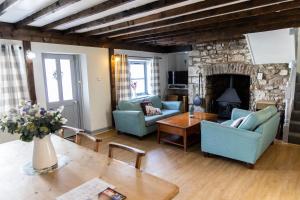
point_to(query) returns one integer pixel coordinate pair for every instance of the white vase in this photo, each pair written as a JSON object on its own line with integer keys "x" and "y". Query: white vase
{"x": 44, "y": 156}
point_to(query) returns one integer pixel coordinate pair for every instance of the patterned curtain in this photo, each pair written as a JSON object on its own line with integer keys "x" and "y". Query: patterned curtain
{"x": 13, "y": 85}
{"x": 155, "y": 85}
{"x": 122, "y": 77}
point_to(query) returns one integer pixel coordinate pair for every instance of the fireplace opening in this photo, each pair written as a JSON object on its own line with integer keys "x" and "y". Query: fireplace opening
{"x": 225, "y": 92}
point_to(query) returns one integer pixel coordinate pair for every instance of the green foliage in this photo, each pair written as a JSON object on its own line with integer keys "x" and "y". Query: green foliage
{"x": 32, "y": 121}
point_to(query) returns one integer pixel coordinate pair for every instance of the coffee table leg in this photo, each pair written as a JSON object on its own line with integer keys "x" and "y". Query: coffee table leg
{"x": 158, "y": 135}
{"x": 185, "y": 141}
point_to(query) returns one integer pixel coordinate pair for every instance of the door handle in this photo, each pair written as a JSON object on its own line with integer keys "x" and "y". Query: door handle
{"x": 74, "y": 102}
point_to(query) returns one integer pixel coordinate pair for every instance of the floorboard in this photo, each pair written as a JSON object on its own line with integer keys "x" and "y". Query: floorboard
{"x": 276, "y": 175}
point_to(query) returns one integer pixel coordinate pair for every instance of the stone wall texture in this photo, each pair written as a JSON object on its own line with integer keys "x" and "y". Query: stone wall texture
{"x": 233, "y": 57}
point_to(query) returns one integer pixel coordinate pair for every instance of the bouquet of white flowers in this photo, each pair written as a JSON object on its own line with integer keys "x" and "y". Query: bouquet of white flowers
{"x": 32, "y": 121}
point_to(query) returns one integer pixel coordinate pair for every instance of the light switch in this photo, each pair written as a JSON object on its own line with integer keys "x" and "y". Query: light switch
{"x": 259, "y": 76}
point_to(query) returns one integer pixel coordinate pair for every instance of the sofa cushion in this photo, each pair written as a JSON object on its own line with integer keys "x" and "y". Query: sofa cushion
{"x": 144, "y": 104}
{"x": 254, "y": 119}
{"x": 151, "y": 120}
{"x": 126, "y": 105}
{"x": 237, "y": 122}
{"x": 150, "y": 111}
{"x": 227, "y": 123}
{"x": 156, "y": 101}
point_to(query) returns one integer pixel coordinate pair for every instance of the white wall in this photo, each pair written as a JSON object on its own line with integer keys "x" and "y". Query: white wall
{"x": 163, "y": 63}
{"x": 272, "y": 46}
{"x": 95, "y": 81}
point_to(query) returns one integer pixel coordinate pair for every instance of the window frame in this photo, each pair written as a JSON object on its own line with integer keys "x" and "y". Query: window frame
{"x": 140, "y": 62}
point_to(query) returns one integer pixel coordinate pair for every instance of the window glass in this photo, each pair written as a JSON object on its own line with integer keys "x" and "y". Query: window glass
{"x": 140, "y": 86}
{"x": 66, "y": 79}
{"x": 137, "y": 71}
{"x": 52, "y": 79}
{"x": 138, "y": 77}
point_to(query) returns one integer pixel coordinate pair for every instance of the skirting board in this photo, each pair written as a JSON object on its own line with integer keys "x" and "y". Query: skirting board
{"x": 98, "y": 131}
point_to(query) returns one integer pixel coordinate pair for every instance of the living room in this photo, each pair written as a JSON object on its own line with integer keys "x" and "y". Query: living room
{"x": 149, "y": 99}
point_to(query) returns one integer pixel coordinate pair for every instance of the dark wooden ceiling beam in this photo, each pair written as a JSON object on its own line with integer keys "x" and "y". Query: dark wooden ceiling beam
{"x": 159, "y": 36}
{"x": 241, "y": 10}
{"x": 208, "y": 22}
{"x": 9, "y": 31}
{"x": 230, "y": 30}
{"x": 138, "y": 10}
{"x": 60, "y": 4}
{"x": 106, "y": 5}
{"x": 164, "y": 14}
{"x": 5, "y": 5}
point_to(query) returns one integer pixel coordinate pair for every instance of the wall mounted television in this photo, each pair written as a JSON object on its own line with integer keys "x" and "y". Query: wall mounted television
{"x": 178, "y": 77}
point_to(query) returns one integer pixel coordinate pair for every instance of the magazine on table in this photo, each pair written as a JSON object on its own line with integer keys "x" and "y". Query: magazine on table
{"x": 94, "y": 189}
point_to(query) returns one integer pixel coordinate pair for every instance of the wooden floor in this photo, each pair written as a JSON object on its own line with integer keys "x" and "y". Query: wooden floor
{"x": 276, "y": 175}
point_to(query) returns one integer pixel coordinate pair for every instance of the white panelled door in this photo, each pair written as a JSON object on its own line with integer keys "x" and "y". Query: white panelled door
{"x": 62, "y": 85}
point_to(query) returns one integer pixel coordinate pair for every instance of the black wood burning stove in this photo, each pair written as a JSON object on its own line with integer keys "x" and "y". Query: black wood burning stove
{"x": 228, "y": 101}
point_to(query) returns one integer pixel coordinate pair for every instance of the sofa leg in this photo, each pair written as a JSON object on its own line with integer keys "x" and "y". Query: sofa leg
{"x": 207, "y": 155}
{"x": 272, "y": 142}
{"x": 250, "y": 165}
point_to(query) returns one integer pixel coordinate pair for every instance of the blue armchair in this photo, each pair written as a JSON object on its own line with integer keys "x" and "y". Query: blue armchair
{"x": 245, "y": 143}
{"x": 129, "y": 117}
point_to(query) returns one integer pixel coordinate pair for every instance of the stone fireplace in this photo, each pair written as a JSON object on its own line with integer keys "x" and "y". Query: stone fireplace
{"x": 221, "y": 60}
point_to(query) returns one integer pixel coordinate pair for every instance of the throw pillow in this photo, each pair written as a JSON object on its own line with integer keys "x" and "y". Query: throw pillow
{"x": 144, "y": 104}
{"x": 237, "y": 122}
{"x": 150, "y": 111}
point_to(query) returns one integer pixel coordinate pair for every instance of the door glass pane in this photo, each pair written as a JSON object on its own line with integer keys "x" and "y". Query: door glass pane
{"x": 51, "y": 77}
{"x": 66, "y": 79}
{"x": 137, "y": 71}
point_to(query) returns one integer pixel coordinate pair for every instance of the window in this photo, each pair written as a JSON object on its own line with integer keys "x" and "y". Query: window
{"x": 139, "y": 77}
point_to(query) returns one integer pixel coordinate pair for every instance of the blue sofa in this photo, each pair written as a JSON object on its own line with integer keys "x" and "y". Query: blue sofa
{"x": 129, "y": 117}
{"x": 245, "y": 143}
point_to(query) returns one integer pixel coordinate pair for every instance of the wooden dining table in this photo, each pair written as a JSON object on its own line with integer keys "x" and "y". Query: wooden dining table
{"x": 84, "y": 165}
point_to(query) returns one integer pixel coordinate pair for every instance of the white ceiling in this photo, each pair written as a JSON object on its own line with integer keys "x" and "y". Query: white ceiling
{"x": 25, "y": 8}
{"x": 22, "y": 9}
{"x": 69, "y": 10}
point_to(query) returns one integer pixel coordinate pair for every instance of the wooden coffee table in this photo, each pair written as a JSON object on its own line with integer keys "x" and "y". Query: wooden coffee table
{"x": 182, "y": 130}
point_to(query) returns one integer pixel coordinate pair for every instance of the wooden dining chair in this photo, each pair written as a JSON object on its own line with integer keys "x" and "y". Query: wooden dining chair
{"x": 139, "y": 153}
{"x": 79, "y": 133}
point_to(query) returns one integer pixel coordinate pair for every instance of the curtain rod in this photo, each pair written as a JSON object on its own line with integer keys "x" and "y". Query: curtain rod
{"x": 143, "y": 57}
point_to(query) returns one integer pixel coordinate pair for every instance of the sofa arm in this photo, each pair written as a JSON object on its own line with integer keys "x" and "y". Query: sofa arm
{"x": 130, "y": 121}
{"x": 171, "y": 105}
{"x": 230, "y": 142}
{"x": 237, "y": 113}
